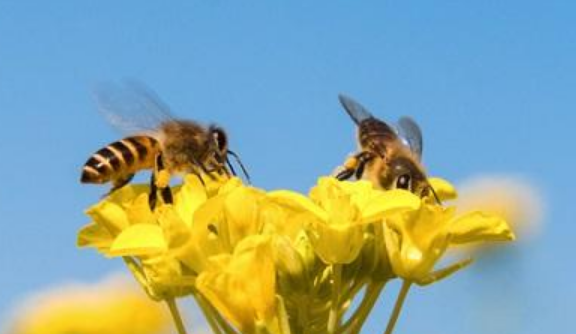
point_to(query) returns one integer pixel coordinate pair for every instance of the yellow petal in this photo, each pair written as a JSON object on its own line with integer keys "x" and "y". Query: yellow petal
{"x": 242, "y": 286}
{"x": 242, "y": 209}
{"x": 191, "y": 195}
{"x": 297, "y": 202}
{"x": 336, "y": 243}
{"x": 205, "y": 236}
{"x": 110, "y": 215}
{"x": 125, "y": 195}
{"x": 444, "y": 189}
{"x": 164, "y": 275}
{"x": 138, "y": 212}
{"x": 94, "y": 235}
{"x": 478, "y": 226}
{"x": 228, "y": 185}
{"x": 141, "y": 239}
{"x": 388, "y": 203}
{"x": 176, "y": 232}
{"x": 409, "y": 258}
{"x": 356, "y": 187}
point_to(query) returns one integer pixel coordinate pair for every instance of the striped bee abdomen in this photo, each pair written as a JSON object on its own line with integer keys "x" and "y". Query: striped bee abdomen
{"x": 120, "y": 159}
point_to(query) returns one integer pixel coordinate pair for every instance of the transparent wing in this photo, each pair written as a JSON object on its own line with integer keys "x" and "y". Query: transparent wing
{"x": 410, "y": 133}
{"x": 354, "y": 109}
{"x": 131, "y": 107}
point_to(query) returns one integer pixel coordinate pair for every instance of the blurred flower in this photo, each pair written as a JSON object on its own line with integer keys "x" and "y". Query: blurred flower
{"x": 112, "y": 306}
{"x": 515, "y": 199}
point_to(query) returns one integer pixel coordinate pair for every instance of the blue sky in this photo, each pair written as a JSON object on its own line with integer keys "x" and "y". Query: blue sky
{"x": 492, "y": 84}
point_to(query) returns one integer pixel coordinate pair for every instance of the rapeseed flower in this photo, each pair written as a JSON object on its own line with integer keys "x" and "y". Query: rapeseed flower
{"x": 279, "y": 261}
{"x": 415, "y": 241}
{"x": 336, "y": 214}
{"x": 242, "y": 286}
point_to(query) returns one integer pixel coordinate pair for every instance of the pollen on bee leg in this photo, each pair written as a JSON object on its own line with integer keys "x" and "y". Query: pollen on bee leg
{"x": 162, "y": 179}
{"x": 351, "y": 163}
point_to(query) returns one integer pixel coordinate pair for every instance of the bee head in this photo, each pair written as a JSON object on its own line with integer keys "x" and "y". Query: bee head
{"x": 404, "y": 173}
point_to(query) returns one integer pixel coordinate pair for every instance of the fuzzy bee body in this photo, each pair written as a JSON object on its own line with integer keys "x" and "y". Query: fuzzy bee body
{"x": 389, "y": 158}
{"x": 376, "y": 136}
{"x": 163, "y": 144}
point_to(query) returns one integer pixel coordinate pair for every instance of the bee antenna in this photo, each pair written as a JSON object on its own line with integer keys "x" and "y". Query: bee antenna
{"x": 230, "y": 166}
{"x": 435, "y": 194}
{"x": 237, "y": 158}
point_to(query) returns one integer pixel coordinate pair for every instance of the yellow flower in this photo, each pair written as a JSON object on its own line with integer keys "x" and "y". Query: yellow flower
{"x": 242, "y": 286}
{"x": 415, "y": 241}
{"x": 280, "y": 261}
{"x": 123, "y": 225}
{"x": 336, "y": 214}
{"x": 112, "y": 307}
{"x": 443, "y": 189}
{"x": 221, "y": 222}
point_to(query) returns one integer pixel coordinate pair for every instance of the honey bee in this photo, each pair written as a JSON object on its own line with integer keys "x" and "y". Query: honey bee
{"x": 158, "y": 141}
{"x": 389, "y": 157}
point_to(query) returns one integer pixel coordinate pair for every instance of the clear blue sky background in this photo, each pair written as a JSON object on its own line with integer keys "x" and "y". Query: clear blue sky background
{"x": 492, "y": 83}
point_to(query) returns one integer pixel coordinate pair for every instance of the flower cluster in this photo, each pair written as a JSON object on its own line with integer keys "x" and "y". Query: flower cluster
{"x": 280, "y": 261}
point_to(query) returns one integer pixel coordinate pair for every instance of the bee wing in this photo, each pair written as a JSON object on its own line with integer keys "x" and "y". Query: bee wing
{"x": 356, "y": 111}
{"x": 132, "y": 107}
{"x": 411, "y": 135}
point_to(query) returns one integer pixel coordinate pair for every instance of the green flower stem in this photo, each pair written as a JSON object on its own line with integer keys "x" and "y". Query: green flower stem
{"x": 398, "y": 306}
{"x": 207, "y": 313}
{"x": 176, "y": 315}
{"x": 334, "y": 316}
{"x": 282, "y": 316}
{"x": 302, "y": 317}
{"x": 356, "y": 321}
{"x": 354, "y": 288}
{"x": 217, "y": 317}
{"x": 141, "y": 278}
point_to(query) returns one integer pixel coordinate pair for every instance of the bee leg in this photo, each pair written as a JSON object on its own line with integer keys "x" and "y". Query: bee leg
{"x": 345, "y": 174}
{"x": 166, "y": 194}
{"x": 218, "y": 164}
{"x": 119, "y": 183}
{"x": 354, "y": 166}
{"x": 198, "y": 175}
{"x": 363, "y": 159}
{"x": 153, "y": 196}
{"x": 165, "y": 191}
{"x": 204, "y": 169}
{"x": 350, "y": 166}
